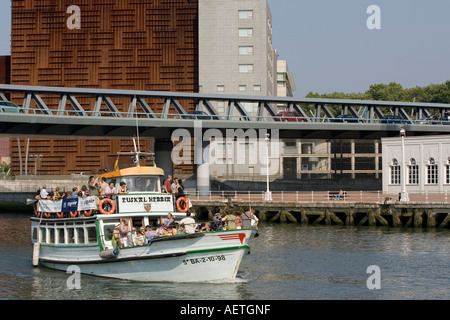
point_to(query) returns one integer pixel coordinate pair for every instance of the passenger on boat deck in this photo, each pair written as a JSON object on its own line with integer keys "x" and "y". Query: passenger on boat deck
{"x": 179, "y": 190}
{"x": 167, "y": 184}
{"x": 174, "y": 185}
{"x": 93, "y": 186}
{"x": 205, "y": 227}
{"x": 56, "y": 195}
{"x": 115, "y": 239}
{"x": 246, "y": 218}
{"x": 238, "y": 219}
{"x": 217, "y": 220}
{"x": 139, "y": 239}
{"x": 102, "y": 187}
{"x": 189, "y": 223}
{"x": 75, "y": 192}
{"x": 133, "y": 234}
{"x": 124, "y": 231}
{"x": 168, "y": 221}
{"x": 149, "y": 233}
{"x": 84, "y": 191}
{"x": 43, "y": 194}
{"x": 123, "y": 187}
{"x": 230, "y": 219}
{"x": 110, "y": 191}
{"x": 160, "y": 231}
{"x": 182, "y": 230}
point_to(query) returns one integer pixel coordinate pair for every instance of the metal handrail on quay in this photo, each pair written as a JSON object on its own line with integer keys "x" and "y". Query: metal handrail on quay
{"x": 318, "y": 196}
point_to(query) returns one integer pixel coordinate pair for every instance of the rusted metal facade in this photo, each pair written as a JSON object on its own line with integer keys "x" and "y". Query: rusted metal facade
{"x": 117, "y": 44}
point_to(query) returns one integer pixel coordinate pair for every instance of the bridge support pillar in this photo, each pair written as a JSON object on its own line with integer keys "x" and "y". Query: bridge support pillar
{"x": 163, "y": 155}
{"x": 202, "y": 157}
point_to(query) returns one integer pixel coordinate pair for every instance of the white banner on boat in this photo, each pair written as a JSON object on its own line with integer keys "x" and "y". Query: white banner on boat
{"x": 87, "y": 203}
{"x": 50, "y": 205}
{"x": 71, "y": 204}
{"x": 132, "y": 203}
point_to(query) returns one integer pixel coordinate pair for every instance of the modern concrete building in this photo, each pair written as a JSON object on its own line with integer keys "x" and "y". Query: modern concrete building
{"x": 427, "y": 161}
{"x": 285, "y": 83}
{"x": 236, "y": 55}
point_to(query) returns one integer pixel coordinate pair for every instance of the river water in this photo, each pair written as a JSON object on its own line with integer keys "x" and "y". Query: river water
{"x": 287, "y": 262}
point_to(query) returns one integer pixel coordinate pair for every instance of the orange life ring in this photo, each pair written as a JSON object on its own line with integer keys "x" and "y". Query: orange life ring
{"x": 37, "y": 213}
{"x": 185, "y": 207}
{"x": 47, "y": 214}
{"x": 60, "y": 214}
{"x": 73, "y": 214}
{"x": 87, "y": 213}
{"x": 100, "y": 206}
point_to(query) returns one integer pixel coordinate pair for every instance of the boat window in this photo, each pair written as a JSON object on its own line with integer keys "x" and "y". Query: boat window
{"x": 70, "y": 235}
{"x": 108, "y": 231}
{"x": 60, "y": 235}
{"x": 138, "y": 223}
{"x": 50, "y": 235}
{"x": 35, "y": 234}
{"x": 142, "y": 183}
{"x": 92, "y": 234}
{"x": 42, "y": 235}
{"x": 79, "y": 235}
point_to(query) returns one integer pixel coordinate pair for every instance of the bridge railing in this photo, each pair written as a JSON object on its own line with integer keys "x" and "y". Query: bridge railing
{"x": 91, "y": 102}
{"x": 141, "y": 115}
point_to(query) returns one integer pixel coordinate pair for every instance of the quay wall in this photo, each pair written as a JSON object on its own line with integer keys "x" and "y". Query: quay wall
{"x": 411, "y": 215}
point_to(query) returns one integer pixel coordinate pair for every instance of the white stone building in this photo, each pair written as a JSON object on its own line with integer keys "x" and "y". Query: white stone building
{"x": 427, "y": 161}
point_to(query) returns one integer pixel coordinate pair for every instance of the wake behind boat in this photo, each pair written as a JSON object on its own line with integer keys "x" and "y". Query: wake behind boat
{"x": 96, "y": 234}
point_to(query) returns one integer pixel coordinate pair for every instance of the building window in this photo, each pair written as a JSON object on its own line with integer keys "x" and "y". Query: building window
{"x": 413, "y": 172}
{"x": 242, "y": 88}
{"x": 245, "y": 32}
{"x": 257, "y": 88}
{"x": 245, "y": 14}
{"x": 432, "y": 172}
{"x": 447, "y": 171}
{"x": 245, "y": 50}
{"x": 220, "y": 88}
{"x": 246, "y": 68}
{"x": 394, "y": 172}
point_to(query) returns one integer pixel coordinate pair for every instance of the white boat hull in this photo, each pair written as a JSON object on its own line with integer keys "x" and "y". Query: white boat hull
{"x": 213, "y": 256}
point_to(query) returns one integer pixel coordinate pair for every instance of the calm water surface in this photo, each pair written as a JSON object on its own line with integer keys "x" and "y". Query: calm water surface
{"x": 287, "y": 262}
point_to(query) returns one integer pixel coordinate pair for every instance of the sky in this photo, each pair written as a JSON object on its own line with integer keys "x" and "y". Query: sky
{"x": 328, "y": 46}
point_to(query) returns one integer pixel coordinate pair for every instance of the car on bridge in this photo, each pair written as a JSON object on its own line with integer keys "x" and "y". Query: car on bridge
{"x": 7, "y": 106}
{"x": 345, "y": 118}
{"x": 290, "y": 116}
{"x": 200, "y": 115}
{"x": 393, "y": 119}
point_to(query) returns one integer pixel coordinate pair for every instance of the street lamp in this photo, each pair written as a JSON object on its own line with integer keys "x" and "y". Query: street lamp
{"x": 268, "y": 194}
{"x": 404, "y": 197}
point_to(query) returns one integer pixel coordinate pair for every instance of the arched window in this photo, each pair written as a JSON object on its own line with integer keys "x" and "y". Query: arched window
{"x": 394, "y": 172}
{"x": 432, "y": 171}
{"x": 413, "y": 172}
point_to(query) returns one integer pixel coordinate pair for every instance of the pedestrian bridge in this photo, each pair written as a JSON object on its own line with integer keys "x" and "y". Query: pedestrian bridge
{"x": 79, "y": 112}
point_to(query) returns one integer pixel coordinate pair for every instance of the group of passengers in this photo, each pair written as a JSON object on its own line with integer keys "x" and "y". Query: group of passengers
{"x": 125, "y": 235}
{"x": 175, "y": 187}
{"x": 95, "y": 187}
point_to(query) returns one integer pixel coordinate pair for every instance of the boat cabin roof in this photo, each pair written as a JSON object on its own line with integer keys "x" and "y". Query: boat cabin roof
{"x": 133, "y": 171}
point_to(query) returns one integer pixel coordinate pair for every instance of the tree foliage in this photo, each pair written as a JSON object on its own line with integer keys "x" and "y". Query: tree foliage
{"x": 433, "y": 93}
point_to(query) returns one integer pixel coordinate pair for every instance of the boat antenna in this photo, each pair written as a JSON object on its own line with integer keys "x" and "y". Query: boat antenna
{"x": 137, "y": 149}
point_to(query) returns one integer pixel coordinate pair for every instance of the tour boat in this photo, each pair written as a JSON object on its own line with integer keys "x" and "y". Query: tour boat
{"x": 79, "y": 231}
